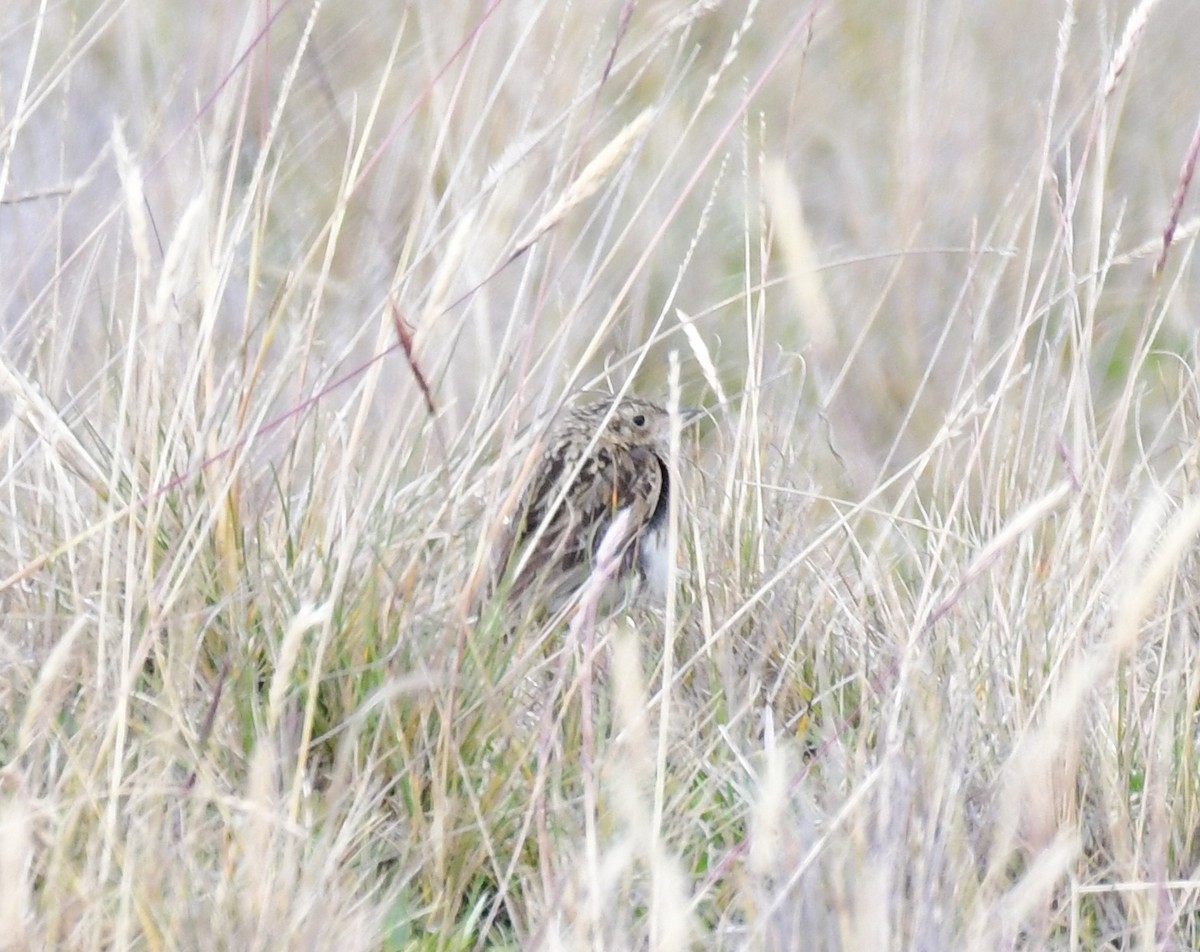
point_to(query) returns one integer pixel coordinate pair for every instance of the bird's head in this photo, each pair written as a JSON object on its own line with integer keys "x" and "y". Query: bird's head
{"x": 631, "y": 423}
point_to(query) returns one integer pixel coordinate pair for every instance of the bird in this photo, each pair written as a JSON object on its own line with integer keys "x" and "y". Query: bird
{"x": 604, "y": 470}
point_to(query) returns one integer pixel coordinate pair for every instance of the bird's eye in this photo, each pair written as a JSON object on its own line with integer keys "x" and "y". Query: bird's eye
{"x": 639, "y": 419}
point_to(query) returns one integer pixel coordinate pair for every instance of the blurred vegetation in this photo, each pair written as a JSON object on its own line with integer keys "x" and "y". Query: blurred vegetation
{"x": 930, "y": 676}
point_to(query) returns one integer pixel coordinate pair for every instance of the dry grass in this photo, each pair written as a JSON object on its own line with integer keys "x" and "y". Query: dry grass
{"x": 930, "y": 675}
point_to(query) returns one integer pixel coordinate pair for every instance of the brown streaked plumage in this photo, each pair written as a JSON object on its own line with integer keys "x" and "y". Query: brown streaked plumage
{"x": 598, "y": 460}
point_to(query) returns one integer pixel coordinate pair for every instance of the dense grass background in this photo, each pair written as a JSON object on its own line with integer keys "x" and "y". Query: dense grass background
{"x": 287, "y": 290}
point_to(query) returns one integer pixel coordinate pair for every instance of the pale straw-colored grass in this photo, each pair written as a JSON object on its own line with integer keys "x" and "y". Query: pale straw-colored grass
{"x": 289, "y": 294}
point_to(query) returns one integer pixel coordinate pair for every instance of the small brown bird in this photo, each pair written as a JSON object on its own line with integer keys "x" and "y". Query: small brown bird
{"x": 602, "y": 460}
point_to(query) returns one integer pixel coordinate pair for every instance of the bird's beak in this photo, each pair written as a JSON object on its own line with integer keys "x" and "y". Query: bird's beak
{"x": 683, "y": 418}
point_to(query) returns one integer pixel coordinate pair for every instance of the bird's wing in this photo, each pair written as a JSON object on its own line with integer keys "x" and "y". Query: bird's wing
{"x": 555, "y": 534}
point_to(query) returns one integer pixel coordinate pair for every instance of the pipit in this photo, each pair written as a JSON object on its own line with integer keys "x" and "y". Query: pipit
{"x": 605, "y": 468}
